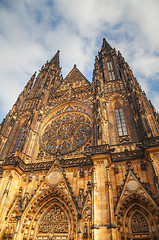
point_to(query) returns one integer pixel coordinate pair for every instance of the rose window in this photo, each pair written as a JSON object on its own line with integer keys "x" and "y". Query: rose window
{"x": 66, "y": 132}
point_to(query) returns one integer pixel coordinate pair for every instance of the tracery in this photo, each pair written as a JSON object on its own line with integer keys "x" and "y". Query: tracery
{"x": 66, "y": 132}
{"x": 120, "y": 119}
{"x": 139, "y": 224}
{"x": 54, "y": 223}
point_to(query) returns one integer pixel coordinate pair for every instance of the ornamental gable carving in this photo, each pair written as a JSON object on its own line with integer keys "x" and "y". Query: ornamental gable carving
{"x": 133, "y": 188}
{"x": 76, "y": 79}
{"x": 74, "y": 86}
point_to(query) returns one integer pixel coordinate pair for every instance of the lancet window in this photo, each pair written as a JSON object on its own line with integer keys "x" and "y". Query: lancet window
{"x": 99, "y": 131}
{"x": 121, "y": 125}
{"x": 20, "y": 139}
{"x": 110, "y": 66}
{"x": 111, "y": 72}
{"x": 111, "y": 76}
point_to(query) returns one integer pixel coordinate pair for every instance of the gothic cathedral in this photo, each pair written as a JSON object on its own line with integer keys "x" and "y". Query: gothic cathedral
{"x": 80, "y": 160}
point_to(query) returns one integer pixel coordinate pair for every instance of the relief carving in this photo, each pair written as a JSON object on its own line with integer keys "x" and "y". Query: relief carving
{"x": 139, "y": 224}
{"x": 54, "y": 221}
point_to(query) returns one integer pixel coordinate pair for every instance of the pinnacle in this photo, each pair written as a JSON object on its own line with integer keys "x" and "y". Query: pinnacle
{"x": 55, "y": 60}
{"x": 106, "y": 45}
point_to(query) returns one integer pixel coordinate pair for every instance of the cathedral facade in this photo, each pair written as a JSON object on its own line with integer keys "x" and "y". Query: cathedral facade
{"x": 80, "y": 160}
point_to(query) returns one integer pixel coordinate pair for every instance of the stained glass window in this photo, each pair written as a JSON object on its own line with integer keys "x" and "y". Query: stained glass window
{"x": 66, "y": 133}
{"x": 122, "y": 130}
{"x": 110, "y": 66}
{"x": 111, "y": 72}
{"x": 111, "y": 76}
{"x": 19, "y": 139}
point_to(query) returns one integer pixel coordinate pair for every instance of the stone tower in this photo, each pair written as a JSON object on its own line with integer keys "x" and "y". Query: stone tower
{"x": 80, "y": 160}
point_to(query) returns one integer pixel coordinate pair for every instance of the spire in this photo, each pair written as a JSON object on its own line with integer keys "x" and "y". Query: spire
{"x": 55, "y": 60}
{"x": 106, "y": 45}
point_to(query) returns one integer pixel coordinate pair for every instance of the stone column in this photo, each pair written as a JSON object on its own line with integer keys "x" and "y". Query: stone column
{"x": 153, "y": 155}
{"x": 101, "y": 205}
{"x": 155, "y": 160}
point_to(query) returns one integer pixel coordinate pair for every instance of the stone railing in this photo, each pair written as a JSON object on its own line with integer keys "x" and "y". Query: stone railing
{"x": 148, "y": 142}
{"x": 99, "y": 149}
{"x": 127, "y": 155}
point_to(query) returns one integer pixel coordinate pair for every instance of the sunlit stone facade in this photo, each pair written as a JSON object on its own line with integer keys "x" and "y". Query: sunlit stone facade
{"x": 80, "y": 160}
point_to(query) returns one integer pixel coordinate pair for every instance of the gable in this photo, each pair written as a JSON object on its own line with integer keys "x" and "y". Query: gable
{"x": 133, "y": 189}
{"x": 75, "y": 87}
{"x": 75, "y": 79}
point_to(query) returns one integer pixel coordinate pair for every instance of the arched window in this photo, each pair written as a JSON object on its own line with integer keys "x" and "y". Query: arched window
{"x": 122, "y": 130}
{"x": 20, "y": 139}
{"x": 111, "y": 72}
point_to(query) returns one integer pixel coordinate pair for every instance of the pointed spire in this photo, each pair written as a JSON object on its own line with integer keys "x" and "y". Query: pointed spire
{"x": 106, "y": 45}
{"x": 55, "y": 60}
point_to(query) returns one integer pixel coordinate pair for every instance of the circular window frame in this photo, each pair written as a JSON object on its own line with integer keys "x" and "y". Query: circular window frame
{"x": 55, "y": 117}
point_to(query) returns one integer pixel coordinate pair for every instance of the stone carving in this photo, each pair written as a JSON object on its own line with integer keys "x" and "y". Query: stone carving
{"x": 139, "y": 224}
{"x": 132, "y": 185}
{"x": 54, "y": 178}
{"x": 54, "y": 221}
{"x": 87, "y": 215}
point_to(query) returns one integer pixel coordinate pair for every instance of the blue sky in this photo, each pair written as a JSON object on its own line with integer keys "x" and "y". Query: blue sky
{"x": 32, "y": 31}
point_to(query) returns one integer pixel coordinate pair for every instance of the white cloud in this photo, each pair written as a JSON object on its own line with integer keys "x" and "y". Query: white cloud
{"x": 147, "y": 65}
{"x": 32, "y": 31}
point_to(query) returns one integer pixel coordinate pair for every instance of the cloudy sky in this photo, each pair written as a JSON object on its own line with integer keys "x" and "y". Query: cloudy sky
{"x": 32, "y": 31}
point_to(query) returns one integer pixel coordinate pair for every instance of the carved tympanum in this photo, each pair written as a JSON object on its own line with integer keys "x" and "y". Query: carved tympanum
{"x": 54, "y": 221}
{"x": 139, "y": 224}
